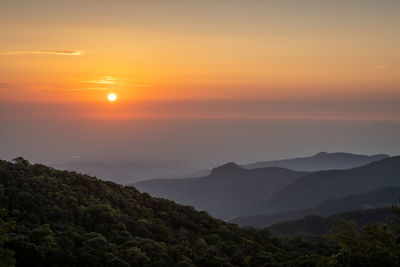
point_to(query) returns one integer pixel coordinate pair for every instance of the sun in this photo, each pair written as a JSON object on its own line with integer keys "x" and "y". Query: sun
{"x": 112, "y": 97}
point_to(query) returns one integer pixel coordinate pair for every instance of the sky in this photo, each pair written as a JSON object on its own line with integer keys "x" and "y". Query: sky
{"x": 201, "y": 81}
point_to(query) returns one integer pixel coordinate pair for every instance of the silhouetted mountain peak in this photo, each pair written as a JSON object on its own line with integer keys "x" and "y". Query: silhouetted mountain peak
{"x": 320, "y": 154}
{"x": 335, "y": 155}
{"x": 229, "y": 168}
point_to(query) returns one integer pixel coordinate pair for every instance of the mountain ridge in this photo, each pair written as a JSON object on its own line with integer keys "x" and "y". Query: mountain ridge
{"x": 320, "y": 161}
{"x": 225, "y": 190}
{"x": 320, "y": 186}
{"x": 384, "y": 197}
{"x": 238, "y": 193}
{"x": 317, "y": 162}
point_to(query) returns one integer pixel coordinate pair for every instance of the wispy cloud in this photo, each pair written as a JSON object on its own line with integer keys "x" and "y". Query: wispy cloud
{"x": 380, "y": 67}
{"x": 27, "y": 52}
{"x": 109, "y": 80}
{"x": 86, "y": 89}
{"x": 12, "y": 87}
{"x": 105, "y": 80}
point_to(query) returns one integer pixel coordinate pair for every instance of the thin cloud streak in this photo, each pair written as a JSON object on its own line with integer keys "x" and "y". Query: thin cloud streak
{"x": 86, "y": 89}
{"x": 62, "y": 53}
{"x": 109, "y": 80}
{"x": 13, "y": 87}
{"x": 106, "y": 80}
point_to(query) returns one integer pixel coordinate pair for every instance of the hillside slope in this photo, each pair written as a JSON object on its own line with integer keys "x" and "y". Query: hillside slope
{"x": 384, "y": 197}
{"x": 316, "y": 225}
{"x": 60, "y": 218}
{"x": 315, "y": 188}
{"x": 226, "y": 192}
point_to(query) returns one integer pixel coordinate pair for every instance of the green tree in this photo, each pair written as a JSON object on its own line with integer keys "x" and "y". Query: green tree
{"x": 7, "y": 258}
{"x": 374, "y": 245}
{"x": 21, "y": 161}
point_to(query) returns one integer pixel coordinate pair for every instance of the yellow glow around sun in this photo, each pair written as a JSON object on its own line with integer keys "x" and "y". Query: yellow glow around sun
{"x": 112, "y": 97}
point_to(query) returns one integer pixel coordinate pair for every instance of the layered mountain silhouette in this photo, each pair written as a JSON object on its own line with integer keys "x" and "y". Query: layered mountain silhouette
{"x": 231, "y": 190}
{"x": 314, "y": 188}
{"x": 226, "y": 192}
{"x": 384, "y": 197}
{"x": 318, "y": 162}
{"x": 127, "y": 172}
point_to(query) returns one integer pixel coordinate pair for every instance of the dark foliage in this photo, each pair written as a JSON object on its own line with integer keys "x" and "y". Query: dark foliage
{"x": 60, "y": 218}
{"x": 316, "y": 225}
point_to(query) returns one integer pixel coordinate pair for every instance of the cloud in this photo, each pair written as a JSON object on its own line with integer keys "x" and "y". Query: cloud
{"x": 86, "y": 89}
{"x": 12, "y": 87}
{"x": 109, "y": 80}
{"x": 105, "y": 80}
{"x": 380, "y": 67}
{"x": 26, "y": 52}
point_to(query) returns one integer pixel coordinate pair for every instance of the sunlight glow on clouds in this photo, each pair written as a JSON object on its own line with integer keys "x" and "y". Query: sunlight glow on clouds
{"x": 26, "y": 52}
{"x": 86, "y": 89}
{"x": 109, "y": 80}
{"x": 105, "y": 80}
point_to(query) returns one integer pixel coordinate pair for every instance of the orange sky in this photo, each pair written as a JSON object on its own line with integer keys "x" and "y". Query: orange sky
{"x": 192, "y": 49}
{"x": 334, "y": 64}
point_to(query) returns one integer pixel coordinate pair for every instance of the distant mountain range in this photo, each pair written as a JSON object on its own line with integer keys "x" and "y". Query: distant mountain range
{"x": 231, "y": 190}
{"x": 226, "y": 192}
{"x": 310, "y": 190}
{"x": 320, "y": 161}
{"x": 127, "y": 172}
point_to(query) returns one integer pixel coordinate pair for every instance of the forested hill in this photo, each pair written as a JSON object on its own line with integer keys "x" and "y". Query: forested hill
{"x": 316, "y": 225}
{"x": 60, "y": 218}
